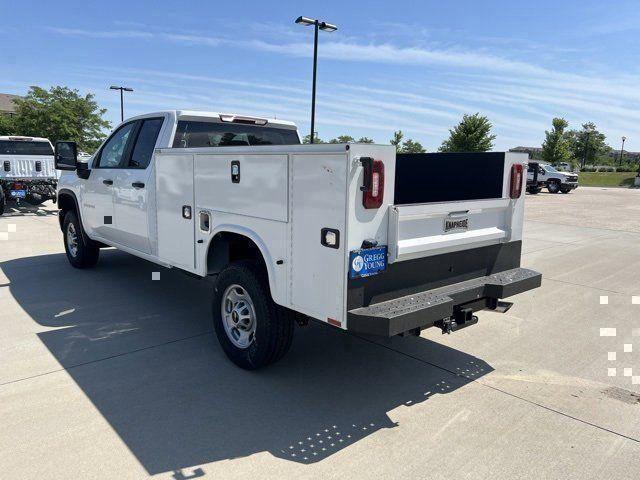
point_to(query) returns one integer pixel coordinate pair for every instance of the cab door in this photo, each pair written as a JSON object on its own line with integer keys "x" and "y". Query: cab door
{"x": 97, "y": 190}
{"x": 133, "y": 188}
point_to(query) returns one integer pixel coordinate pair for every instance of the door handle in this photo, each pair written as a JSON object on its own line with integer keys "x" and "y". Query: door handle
{"x": 137, "y": 185}
{"x": 107, "y": 182}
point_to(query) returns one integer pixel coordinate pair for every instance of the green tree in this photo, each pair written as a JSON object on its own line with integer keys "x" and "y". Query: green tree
{"x": 411, "y": 146}
{"x": 343, "y": 139}
{"x": 307, "y": 139}
{"x": 6, "y": 125}
{"x": 365, "y": 140}
{"x": 405, "y": 146}
{"x": 397, "y": 140}
{"x": 61, "y": 114}
{"x": 587, "y": 143}
{"x": 472, "y": 134}
{"x": 555, "y": 148}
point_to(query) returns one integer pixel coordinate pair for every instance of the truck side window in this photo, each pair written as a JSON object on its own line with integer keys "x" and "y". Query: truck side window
{"x": 145, "y": 143}
{"x": 112, "y": 151}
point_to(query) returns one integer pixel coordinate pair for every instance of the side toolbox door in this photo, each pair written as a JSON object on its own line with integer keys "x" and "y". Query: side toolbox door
{"x": 133, "y": 188}
{"x": 97, "y": 190}
{"x": 175, "y": 209}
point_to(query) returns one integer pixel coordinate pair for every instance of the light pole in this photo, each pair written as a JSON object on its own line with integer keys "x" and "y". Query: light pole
{"x": 621, "y": 151}
{"x": 318, "y": 25}
{"x": 122, "y": 89}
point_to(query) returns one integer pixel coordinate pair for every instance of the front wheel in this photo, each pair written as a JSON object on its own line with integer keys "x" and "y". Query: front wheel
{"x": 553, "y": 186}
{"x": 565, "y": 189}
{"x": 81, "y": 253}
{"x": 252, "y": 330}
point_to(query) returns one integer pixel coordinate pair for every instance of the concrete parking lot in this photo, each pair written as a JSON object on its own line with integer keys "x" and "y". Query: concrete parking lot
{"x": 105, "y": 373}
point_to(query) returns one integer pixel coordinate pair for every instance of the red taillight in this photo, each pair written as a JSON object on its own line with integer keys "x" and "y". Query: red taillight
{"x": 515, "y": 189}
{"x": 17, "y": 186}
{"x": 373, "y": 189}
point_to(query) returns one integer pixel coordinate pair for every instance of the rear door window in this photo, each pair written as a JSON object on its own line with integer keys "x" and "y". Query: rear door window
{"x": 190, "y": 134}
{"x": 22, "y": 147}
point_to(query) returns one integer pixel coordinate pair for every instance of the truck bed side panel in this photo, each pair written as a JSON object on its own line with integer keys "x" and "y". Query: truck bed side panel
{"x": 174, "y": 187}
{"x": 317, "y": 272}
{"x": 260, "y": 190}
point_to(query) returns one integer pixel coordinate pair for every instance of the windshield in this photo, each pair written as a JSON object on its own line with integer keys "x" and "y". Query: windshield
{"x": 549, "y": 168}
{"x": 20, "y": 147}
{"x": 191, "y": 134}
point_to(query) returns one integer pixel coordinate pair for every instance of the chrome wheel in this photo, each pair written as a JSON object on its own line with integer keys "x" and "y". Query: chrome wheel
{"x": 238, "y": 316}
{"x": 72, "y": 240}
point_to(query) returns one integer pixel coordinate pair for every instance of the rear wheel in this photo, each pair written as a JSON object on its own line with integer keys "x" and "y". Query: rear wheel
{"x": 81, "y": 253}
{"x": 565, "y": 189}
{"x": 534, "y": 190}
{"x": 252, "y": 330}
{"x": 553, "y": 186}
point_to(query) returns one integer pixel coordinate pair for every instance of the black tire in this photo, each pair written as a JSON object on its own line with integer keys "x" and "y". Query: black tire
{"x": 534, "y": 190}
{"x": 553, "y": 186}
{"x": 2, "y": 202}
{"x": 565, "y": 189}
{"x": 85, "y": 253}
{"x": 274, "y": 325}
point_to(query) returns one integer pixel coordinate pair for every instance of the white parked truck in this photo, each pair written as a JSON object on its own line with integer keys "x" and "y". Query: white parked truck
{"x": 26, "y": 170}
{"x": 349, "y": 234}
{"x": 541, "y": 175}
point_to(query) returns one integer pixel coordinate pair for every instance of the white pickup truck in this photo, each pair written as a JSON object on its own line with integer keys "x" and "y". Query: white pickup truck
{"x": 26, "y": 170}
{"x": 351, "y": 234}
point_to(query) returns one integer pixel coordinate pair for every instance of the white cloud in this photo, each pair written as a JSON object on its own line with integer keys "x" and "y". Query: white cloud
{"x": 519, "y": 97}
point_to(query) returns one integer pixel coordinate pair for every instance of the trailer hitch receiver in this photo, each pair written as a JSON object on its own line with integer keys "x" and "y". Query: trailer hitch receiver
{"x": 461, "y": 318}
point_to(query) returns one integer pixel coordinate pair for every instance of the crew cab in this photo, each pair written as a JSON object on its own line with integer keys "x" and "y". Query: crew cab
{"x": 545, "y": 175}
{"x": 352, "y": 235}
{"x": 26, "y": 170}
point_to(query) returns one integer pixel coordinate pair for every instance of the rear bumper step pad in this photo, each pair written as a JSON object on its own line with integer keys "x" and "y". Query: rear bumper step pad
{"x": 423, "y": 309}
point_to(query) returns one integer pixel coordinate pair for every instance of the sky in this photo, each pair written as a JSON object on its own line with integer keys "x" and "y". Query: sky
{"x": 411, "y": 66}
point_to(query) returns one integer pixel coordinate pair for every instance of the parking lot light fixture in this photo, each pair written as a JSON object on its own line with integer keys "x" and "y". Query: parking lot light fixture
{"x": 122, "y": 89}
{"x": 318, "y": 25}
{"x": 624, "y": 139}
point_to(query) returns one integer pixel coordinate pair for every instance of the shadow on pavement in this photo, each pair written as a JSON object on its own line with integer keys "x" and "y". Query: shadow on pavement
{"x": 174, "y": 399}
{"x": 24, "y": 209}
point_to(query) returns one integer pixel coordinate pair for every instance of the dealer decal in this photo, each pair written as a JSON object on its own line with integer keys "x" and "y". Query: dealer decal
{"x": 367, "y": 261}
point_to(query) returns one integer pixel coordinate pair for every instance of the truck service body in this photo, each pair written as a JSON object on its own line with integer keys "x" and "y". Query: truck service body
{"x": 353, "y": 235}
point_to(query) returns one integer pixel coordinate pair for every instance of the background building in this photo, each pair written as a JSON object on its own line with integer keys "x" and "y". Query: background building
{"x": 7, "y": 107}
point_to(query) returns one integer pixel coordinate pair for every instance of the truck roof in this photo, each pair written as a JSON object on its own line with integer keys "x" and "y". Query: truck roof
{"x": 218, "y": 117}
{"x": 21, "y": 138}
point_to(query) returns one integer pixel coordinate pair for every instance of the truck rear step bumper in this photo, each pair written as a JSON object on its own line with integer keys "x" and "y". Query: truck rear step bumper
{"x": 423, "y": 309}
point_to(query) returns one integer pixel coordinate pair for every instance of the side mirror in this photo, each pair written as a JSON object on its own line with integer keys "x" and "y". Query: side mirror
{"x": 66, "y": 155}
